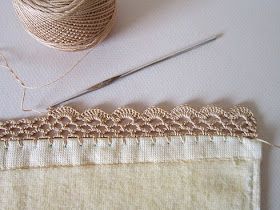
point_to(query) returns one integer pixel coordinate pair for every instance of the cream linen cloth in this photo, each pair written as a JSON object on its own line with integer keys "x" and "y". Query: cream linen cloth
{"x": 179, "y": 172}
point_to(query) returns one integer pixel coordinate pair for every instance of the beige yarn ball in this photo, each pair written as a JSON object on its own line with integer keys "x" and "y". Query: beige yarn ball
{"x": 67, "y": 24}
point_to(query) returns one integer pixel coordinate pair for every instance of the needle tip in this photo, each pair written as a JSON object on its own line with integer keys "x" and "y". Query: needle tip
{"x": 219, "y": 35}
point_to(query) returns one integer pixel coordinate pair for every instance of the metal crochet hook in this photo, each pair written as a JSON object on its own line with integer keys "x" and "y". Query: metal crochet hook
{"x": 132, "y": 71}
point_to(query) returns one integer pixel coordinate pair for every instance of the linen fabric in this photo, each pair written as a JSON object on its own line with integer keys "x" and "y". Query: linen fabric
{"x": 184, "y": 172}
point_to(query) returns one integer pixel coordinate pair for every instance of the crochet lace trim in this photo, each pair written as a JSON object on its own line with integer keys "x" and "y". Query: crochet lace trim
{"x": 65, "y": 122}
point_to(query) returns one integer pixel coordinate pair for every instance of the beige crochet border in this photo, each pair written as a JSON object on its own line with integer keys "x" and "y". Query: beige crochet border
{"x": 64, "y": 137}
{"x": 65, "y": 122}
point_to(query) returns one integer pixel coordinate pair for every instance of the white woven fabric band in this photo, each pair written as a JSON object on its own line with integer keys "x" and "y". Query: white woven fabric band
{"x": 128, "y": 150}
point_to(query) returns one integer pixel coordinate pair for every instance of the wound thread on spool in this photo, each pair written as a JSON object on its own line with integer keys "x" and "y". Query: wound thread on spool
{"x": 68, "y": 25}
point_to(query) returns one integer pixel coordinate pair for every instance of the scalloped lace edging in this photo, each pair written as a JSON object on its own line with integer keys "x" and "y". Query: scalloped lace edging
{"x": 65, "y": 122}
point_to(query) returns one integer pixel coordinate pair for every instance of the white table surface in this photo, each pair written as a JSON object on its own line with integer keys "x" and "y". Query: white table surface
{"x": 243, "y": 67}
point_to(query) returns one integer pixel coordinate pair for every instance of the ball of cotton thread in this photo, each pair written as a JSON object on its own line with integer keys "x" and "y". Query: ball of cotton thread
{"x": 68, "y": 25}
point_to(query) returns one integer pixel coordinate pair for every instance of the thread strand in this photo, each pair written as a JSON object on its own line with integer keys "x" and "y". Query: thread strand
{"x": 268, "y": 143}
{"x": 25, "y": 87}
